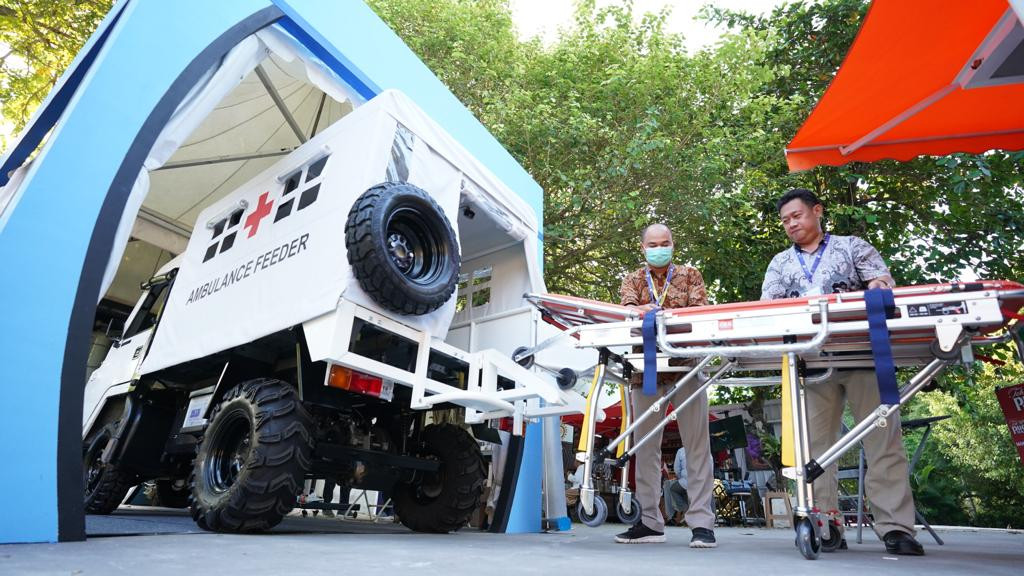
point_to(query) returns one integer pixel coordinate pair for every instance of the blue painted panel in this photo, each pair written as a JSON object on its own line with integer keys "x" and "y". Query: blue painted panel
{"x": 526, "y": 506}
{"x": 43, "y": 244}
{"x": 370, "y": 50}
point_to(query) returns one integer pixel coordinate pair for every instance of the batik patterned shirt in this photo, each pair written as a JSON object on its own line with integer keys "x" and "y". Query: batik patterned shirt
{"x": 685, "y": 289}
{"x": 847, "y": 264}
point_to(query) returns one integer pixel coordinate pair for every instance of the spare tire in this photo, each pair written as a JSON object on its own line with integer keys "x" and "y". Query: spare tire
{"x": 402, "y": 248}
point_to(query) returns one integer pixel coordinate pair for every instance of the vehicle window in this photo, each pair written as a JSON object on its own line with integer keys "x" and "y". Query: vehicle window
{"x": 149, "y": 312}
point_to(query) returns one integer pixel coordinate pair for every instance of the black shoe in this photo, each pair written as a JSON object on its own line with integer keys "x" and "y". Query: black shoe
{"x": 703, "y": 538}
{"x": 899, "y": 542}
{"x": 640, "y": 534}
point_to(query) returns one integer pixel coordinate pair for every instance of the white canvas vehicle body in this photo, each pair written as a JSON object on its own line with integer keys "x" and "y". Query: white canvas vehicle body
{"x": 376, "y": 271}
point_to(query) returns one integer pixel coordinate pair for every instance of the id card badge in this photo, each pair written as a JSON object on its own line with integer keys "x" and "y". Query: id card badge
{"x": 813, "y": 291}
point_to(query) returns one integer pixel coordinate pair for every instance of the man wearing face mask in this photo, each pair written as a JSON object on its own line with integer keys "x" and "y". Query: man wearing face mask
{"x": 660, "y": 283}
{"x": 820, "y": 263}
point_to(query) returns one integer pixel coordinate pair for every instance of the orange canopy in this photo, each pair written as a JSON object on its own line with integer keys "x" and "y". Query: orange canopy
{"x": 923, "y": 77}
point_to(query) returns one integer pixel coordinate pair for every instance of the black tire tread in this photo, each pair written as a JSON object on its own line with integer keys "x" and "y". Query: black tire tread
{"x": 112, "y": 487}
{"x": 371, "y": 264}
{"x": 464, "y": 465}
{"x": 279, "y": 458}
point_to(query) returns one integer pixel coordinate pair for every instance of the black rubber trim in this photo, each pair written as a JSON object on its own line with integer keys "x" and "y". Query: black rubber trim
{"x": 812, "y": 470}
{"x": 70, "y": 507}
{"x": 509, "y": 480}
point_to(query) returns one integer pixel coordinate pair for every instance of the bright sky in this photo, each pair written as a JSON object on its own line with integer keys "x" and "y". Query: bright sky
{"x": 544, "y": 17}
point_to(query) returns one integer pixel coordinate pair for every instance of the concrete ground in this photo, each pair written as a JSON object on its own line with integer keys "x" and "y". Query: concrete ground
{"x": 153, "y": 542}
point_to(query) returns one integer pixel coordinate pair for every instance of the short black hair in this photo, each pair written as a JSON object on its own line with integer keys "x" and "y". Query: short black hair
{"x": 802, "y": 194}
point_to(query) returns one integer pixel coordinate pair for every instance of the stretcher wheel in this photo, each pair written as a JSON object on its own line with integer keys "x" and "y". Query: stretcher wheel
{"x": 525, "y": 362}
{"x": 566, "y": 379}
{"x": 806, "y": 540}
{"x": 835, "y": 538}
{"x": 634, "y": 513}
{"x": 598, "y": 517}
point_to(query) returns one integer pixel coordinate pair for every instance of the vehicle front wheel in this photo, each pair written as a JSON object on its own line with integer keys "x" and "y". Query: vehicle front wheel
{"x": 253, "y": 457}
{"x": 106, "y": 485}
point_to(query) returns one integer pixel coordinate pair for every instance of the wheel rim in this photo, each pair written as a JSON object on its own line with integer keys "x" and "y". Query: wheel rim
{"x": 413, "y": 246}
{"x": 229, "y": 452}
{"x": 430, "y": 485}
{"x": 92, "y": 467}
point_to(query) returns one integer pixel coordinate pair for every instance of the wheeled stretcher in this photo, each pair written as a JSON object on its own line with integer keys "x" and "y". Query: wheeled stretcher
{"x": 925, "y": 327}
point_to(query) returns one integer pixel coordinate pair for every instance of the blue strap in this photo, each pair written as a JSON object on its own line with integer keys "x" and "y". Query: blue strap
{"x": 649, "y": 331}
{"x": 880, "y": 304}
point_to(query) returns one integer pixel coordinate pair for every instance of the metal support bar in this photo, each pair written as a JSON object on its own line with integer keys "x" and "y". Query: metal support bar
{"x": 803, "y": 503}
{"x": 749, "y": 350}
{"x": 225, "y": 158}
{"x": 657, "y": 406}
{"x": 805, "y": 440}
{"x": 319, "y": 110}
{"x": 587, "y": 487}
{"x": 276, "y": 97}
{"x": 675, "y": 413}
{"x": 625, "y": 494}
{"x": 769, "y": 380}
{"x": 544, "y": 344}
{"x": 865, "y": 426}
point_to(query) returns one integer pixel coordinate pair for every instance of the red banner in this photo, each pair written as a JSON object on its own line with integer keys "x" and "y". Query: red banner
{"x": 1011, "y": 399}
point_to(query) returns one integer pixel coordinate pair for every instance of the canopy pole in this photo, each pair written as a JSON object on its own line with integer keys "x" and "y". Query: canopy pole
{"x": 262, "y": 74}
{"x": 225, "y": 158}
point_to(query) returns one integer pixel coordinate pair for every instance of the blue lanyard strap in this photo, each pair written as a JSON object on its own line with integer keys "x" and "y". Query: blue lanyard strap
{"x": 648, "y": 330}
{"x": 880, "y": 305}
{"x": 659, "y": 299}
{"x": 809, "y": 274}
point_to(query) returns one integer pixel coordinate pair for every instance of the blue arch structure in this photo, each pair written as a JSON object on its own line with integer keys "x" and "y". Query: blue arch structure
{"x": 57, "y": 232}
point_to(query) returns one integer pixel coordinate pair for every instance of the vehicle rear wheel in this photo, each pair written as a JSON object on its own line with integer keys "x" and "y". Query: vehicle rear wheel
{"x": 253, "y": 457}
{"x": 106, "y": 485}
{"x": 402, "y": 248}
{"x": 443, "y": 501}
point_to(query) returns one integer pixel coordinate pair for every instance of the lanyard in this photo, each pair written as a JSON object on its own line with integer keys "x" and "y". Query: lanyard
{"x": 655, "y": 297}
{"x": 809, "y": 274}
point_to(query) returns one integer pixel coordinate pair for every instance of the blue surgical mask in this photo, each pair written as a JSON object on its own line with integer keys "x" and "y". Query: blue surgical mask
{"x": 658, "y": 257}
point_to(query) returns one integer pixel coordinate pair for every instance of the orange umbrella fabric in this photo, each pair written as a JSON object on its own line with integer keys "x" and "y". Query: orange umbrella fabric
{"x": 922, "y": 77}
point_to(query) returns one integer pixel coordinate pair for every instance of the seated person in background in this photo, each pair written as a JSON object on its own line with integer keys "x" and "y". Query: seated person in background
{"x": 676, "y": 499}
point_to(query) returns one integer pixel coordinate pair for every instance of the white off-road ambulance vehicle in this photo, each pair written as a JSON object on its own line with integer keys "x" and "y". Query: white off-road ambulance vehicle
{"x": 318, "y": 315}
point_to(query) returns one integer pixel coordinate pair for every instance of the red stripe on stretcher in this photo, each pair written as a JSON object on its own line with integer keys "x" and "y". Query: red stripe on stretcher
{"x": 846, "y": 297}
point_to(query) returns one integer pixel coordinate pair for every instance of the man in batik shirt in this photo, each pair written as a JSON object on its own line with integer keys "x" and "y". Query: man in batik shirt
{"x": 819, "y": 263}
{"x": 661, "y": 283}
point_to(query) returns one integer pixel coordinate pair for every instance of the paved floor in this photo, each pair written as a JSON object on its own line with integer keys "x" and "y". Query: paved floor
{"x": 155, "y": 542}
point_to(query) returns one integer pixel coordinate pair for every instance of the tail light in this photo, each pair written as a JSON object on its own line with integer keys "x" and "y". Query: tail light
{"x": 347, "y": 379}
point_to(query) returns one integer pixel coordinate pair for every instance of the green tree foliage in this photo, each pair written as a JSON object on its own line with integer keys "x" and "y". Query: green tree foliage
{"x": 41, "y": 38}
{"x": 972, "y": 468}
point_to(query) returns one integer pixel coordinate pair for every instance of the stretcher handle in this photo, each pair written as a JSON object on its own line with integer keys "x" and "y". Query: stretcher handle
{"x": 748, "y": 350}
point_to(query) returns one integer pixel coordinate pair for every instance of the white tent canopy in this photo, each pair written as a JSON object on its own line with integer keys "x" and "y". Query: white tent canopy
{"x": 265, "y": 98}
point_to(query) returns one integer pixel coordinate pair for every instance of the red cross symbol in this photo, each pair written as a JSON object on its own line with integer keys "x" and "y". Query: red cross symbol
{"x": 252, "y": 221}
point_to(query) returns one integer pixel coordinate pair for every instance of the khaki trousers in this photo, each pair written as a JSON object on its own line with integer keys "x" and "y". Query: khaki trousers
{"x": 693, "y": 429}
{"x": 887, "y": 484}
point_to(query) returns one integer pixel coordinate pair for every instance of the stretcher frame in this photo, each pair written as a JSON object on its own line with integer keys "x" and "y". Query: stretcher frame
{"x": 930, "y": 327}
